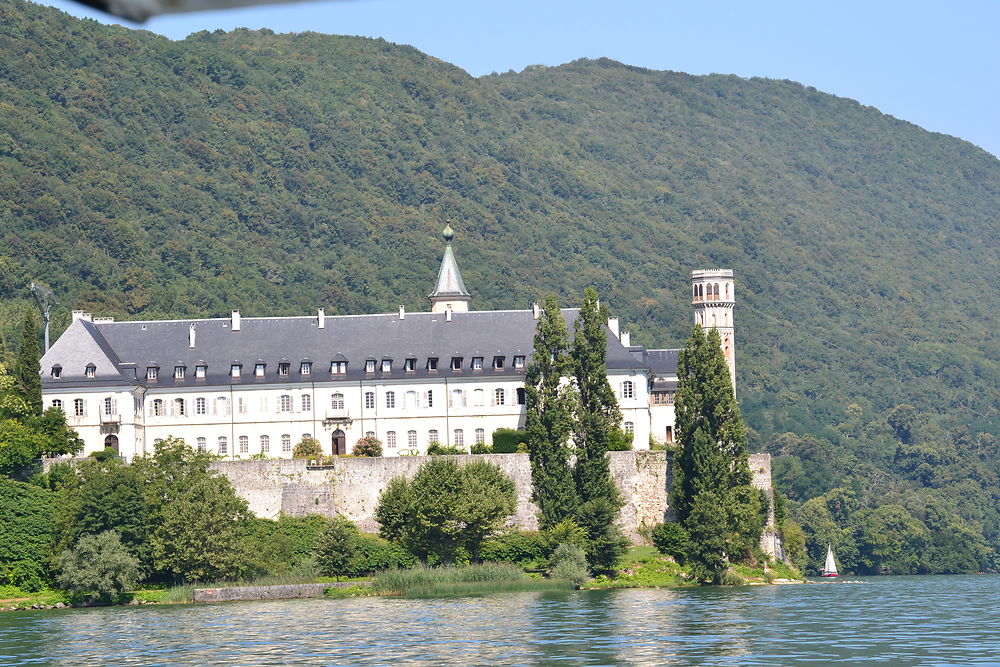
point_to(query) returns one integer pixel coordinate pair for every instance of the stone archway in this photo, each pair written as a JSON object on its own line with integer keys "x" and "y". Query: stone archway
{"x": 339, "y": 443}
{"x": 112, "y": 442}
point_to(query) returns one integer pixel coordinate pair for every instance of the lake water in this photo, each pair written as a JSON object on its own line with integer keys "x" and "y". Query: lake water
{"x": 892, "y": 620}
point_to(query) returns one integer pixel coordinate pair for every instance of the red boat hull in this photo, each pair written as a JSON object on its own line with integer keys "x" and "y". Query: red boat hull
{"x": 833, "y": 574}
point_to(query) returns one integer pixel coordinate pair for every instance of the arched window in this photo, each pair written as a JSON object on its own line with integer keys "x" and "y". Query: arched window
{"x": 670, "y": 434}
{"x": 628, "y": 389}
{"x": 432, "y": 436}
{"x": 80, "y": 408}
{"x": 727, "y": 291}
{"x": 265, "y": 443}
{"x": 244, "y": 444}
{"x": 694, "y": 291}
{"x": 480, "y": 436}
{"x": 390, "y": 439}
{"x": 369, "y": 400}
{"x": 286, "y": 443}
{"x": 202, "y": 444}
{"x": 629, "y": 427}
{"x": 179, "y": 408}
{"x": 337, "y": 401}
{"x": 411, "y": 439}
{"x": 155, "y": 410}
{"x": 716, "y": 291}
{"x": 57, "y": 403}
{"x": 200, "y": 406}
{"x": 390, "y": 399}
{"x": 457, "y": 398}
{"x": 478, "y": 398}
{"x": 307, "y": 402}
{"x": 285, "y": 403}
{"x": 499, "y": 396}
{"x": 223, "y": 445}
{"x": 458, "y": 438}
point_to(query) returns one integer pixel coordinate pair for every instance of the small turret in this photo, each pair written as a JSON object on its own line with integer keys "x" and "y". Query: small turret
{"x": 450, "y": 292}
{"x": 712, "y": 299}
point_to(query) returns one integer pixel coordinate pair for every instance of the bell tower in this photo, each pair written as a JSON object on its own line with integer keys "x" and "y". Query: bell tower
{"x": 712, "y": 300}
{"x": 449, "y": 293}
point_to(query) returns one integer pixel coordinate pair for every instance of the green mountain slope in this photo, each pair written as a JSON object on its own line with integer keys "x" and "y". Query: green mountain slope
{"x": 277, "y": 173}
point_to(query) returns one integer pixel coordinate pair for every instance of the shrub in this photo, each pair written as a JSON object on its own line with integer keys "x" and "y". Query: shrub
{"x": 307, "y": 448}
{"x": 670, "y": 539}
{"x": 569, "y": 562}
{"x": 273, "y": 547}
{"x": 437, "y": 449}
{"x": 619, "y": 441}
{"x": 368, "y": 446}
{"x": 99, "y": 568}
{"x": 565, "y": 532}
{"x": 336, "y": 547}
{"x": 605, "y": 542}
{"x": 507, "y": 440}
{"x": 481, "y": 448}
{"x": 516, "y": 547}
{"x": 374, "y": 554}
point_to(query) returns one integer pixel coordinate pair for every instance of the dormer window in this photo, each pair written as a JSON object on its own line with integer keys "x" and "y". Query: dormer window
{"x": 370, "y": 366}
{"x": 519, "y": 361}
{"x": 432, "y": 364}
{"x": 179, "y": 372}
{"x": 477, "y": 363}
{"x": 410, "y": 365}
{"x": 152, "y": 372}
{"x": 305, "y": 368}
{"x": 200, "y": 371}
{"x": 498, "y": 362}
{"x": 235, "y": 370}
{"x": 57, "y": 371}
{"x": 387, "y": 365}
{"x": 90, "y": 371}
{"x": 456, "y": 363}
{"x": 258, "y": 370}
{"x": 283, "y": 369}
{"x": 338, "y": 367}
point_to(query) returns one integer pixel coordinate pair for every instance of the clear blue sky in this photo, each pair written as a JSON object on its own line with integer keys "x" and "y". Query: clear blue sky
{"x": 936, "y": 64}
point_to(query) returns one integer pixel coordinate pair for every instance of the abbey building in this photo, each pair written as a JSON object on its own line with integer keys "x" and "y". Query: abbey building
{"x": 242, "y": 386}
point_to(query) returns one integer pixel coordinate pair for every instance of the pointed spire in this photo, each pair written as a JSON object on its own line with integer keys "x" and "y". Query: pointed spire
{"x": 450, "y": 290}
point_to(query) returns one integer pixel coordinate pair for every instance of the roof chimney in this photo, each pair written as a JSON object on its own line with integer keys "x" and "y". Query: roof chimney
{"x": 320, "y": 319}
{"x": 613, "y": 325}
{"x": 447, "y": 313}
{"x": 236, "y": 320}
{"x": 81, "y": 315}
{"x": 191, "y": 336}
{"x": 535, "y": 310}
{"x": 402, "y": 313}
{"x": 626, "y": 338}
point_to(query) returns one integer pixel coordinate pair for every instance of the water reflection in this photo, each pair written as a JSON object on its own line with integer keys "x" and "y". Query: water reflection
{"x": 903, "y": 620}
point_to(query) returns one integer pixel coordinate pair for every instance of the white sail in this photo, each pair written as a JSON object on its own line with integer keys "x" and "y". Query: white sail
{"x": 831, "y": 565}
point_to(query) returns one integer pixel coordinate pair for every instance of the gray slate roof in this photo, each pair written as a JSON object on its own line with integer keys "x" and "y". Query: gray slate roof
{"x": 123, "y": 350}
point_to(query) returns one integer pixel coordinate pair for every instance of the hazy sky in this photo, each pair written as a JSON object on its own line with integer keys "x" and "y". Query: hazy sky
{"x": 936, "y": 64}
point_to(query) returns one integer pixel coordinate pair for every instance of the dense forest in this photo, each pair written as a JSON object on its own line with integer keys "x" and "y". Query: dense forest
{"x": 141, "y": 178}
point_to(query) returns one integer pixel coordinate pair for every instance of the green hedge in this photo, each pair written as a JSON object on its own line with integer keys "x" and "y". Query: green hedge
{"x": 506, "y": 440}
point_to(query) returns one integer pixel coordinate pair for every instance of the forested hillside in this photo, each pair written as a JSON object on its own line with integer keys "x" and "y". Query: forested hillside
{"x": 141, "y": 178}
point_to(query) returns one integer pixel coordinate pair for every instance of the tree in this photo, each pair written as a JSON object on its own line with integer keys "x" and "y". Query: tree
{"x": 198, "y": 538}
{"x": 336, "y": 547}
{"x": 26, "y": 532}
{"x": 447, "y": 510}
{"x": 548, "y": 418}
{"x": 27, "y": 370}
{"x": 99, "y": 568}
{"x": 711, "y": 463}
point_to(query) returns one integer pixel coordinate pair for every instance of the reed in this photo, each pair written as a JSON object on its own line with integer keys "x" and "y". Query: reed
{"x": 484, "y": 578}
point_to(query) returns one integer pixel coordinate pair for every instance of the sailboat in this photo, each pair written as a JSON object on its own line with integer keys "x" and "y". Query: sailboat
{"x": 830, "y": 568}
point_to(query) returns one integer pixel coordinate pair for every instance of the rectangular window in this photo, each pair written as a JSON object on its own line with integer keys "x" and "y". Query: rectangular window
{"x": 305, "y": 368}
{"x": 200, "y": 406}
{"x": 223, "y": 444}
{"x": 628, "y": 389}
{"x": 244, "y": 444}
{"x": 411, "y": 439}
{"x": 370, "y": 366}
{"x": 477, "y": 363}
{"x": 429, "y": 399}
{"x": 90, "y": 371}
{"x": 235, "y": 370}
{"x": 390, "y": 399}
{"x": 659, "y": 398}
{"x": 286, "y": 443}
{"x": 179, "y": 372}
{"x": 459, "y": 438}
{"x": 498, "y": 362}
{"x": 151, "y": 372}
{"x": 480, "y": 436}
{"x": 202, "y": 444}
{"x": 56, "y": 403}
{"x": 337, "y": 401}
{"x": 410, "y": 365}
{"x": 387, "y": 365}
{"x": 369, "y": 434}
{"x": 285, "y": 403}
{"x": 265, "y": 443}
{"x": 456, "y": 363}
{"x": 432, "y": 364}
{"x": 156, "y": 409}
{"x": 432, "y": 436}
{"x": 243, "y": 405}
{"x": 369, "y": 400}
{"x": 79, "y": 407}
{"x": 457, "y": 398}
{"x": 390, "y": 439}
{"x": 258, "y": 370}
{"x": 306, "y": 402}
{"x": 109, "y": 406}
{"x": 519, "y": 362}
{"x": 520, "y": 395}
{"x": 338, "y": 367}
{"x": 200, "y": 372}
{"x": 629, "y": 427}
{"x": 499, "y": 397}
{"x": 283, "y": 369}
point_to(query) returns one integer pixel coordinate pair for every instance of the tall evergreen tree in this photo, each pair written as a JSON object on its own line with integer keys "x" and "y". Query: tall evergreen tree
{"x": 711, "y": 474}
{"x": 27, "y": 369}
{"x": 549, "y": 419}
{"x": 597, "y": 417}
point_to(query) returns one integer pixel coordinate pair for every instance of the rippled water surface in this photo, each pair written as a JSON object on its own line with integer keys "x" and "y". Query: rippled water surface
{"x": 892, "y": 620}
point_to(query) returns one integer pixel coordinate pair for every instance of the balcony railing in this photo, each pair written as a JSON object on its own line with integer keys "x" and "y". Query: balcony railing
{"x": 111, "y": 419}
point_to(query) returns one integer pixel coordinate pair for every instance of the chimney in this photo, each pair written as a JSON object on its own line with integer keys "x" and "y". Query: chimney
{"x": 447, "y": 313}
{"x": 402, "y": 313}
{"x": 191, "y": 336}
{"x": 320, "y": 319}
{"x": 236, "y": 320}
{"x": 535, "y": 310}
{"x": 81, "y": 315}
{"x": 626, "y": 338}
{"x": 613, "y": 325}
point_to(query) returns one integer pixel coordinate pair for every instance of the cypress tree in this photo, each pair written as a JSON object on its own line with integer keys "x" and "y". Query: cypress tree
{"x": 711, "y": 473}
{"x": 548, "y": 418}
{"x": 27, "y": 369}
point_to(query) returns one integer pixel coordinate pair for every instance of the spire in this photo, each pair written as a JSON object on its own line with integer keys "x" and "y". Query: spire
{"x": 450, "y": 290}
